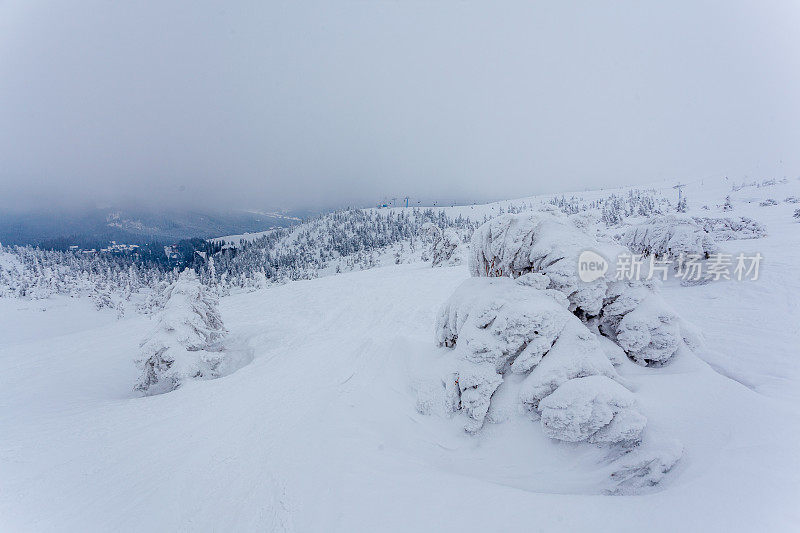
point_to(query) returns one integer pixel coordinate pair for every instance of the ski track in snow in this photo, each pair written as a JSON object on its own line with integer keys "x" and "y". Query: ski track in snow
{"x": 320, "y": 433}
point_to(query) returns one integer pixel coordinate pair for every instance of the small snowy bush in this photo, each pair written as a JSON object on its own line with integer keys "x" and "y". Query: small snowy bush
{"x": 445, "y": 249}
{"x": 185, "y": 341}
{"x": 644, "y": 466}
{"x": 669, "y": 236}
{"x": 727, "y": 229}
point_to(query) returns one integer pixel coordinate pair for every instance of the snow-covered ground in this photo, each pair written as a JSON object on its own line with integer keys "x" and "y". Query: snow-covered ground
{"x": 320, "y": 432}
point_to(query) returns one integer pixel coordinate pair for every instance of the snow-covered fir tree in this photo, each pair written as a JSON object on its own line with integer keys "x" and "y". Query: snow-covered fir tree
{"x": 185, "y": 342}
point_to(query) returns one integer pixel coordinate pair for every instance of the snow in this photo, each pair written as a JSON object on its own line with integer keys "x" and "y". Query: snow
{"x": 322, "y": 431}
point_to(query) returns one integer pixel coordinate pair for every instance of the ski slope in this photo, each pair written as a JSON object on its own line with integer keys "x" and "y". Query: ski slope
{"x": 321, "y": 433}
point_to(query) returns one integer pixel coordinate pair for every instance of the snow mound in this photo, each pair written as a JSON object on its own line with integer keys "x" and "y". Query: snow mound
{"x": 526, "y": 312}
{"x": 498, "y": 326}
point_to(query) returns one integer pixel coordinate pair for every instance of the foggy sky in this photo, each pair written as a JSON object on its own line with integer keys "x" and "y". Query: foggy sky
{"x": 255, "y": 104}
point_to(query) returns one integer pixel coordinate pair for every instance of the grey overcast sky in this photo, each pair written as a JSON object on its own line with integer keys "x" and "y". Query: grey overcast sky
{"x": 320, "y": 103}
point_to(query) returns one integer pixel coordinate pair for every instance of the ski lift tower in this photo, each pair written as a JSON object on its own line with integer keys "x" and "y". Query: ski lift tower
{"x": 680, "y": 187}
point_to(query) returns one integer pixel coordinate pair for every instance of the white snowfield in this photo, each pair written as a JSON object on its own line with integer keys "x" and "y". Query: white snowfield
{"x": 322, "y": 431}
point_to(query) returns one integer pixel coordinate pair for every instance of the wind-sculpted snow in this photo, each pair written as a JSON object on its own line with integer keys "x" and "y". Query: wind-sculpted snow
{"x": 185, "y": 341}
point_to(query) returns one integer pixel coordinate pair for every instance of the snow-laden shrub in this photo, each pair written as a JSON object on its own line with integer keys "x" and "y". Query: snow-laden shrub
{"x": 644, "y": 466}
{"x": 184, "y": 344}
{"x": 768, "y": 202}
{"x": 506, "y": 324}
{"x": 513, "y": 245}
{"x": 727, "y": 206}
{"x": 496, "y": 327}
{"x": 577, "y": 353}
{"x": 669, "y": 236}
{"x": 523, "y": 313}
{"x": 445, "y": 250}
{"x": 640, "y": 322}
{"x": 522, "y": 245}
{"x": 594, "y": 409}
{"x": 430, "y": 233}
{"x": 727, "y": 229}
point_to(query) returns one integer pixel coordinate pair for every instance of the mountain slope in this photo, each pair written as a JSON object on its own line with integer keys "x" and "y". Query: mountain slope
{"x": 320, "y": 431}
